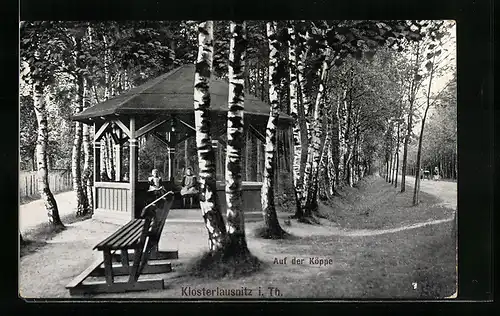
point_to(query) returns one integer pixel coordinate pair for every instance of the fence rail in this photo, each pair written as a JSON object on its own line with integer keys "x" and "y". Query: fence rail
{"x": 59, "y": 181}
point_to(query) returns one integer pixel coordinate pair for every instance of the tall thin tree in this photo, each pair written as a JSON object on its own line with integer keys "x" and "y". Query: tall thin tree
{"x": 235, "y": 222}
{"x": 81, "y": 202}
{"x": 41, "y": 155}
{"x": 294, "y": 112}
{"x": 209, "y": 202}
{"x": 271, "y": 223}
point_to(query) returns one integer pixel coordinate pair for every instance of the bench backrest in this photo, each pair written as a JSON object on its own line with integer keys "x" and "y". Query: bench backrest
{"x": 158, "y": 211}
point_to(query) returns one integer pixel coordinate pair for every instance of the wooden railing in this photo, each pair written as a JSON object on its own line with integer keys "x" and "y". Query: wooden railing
{"x": 113, "y": 196}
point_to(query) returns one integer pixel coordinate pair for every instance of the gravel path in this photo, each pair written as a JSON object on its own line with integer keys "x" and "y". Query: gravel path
{"x": 44, "y": 273}
{"x": 33, "y": 214}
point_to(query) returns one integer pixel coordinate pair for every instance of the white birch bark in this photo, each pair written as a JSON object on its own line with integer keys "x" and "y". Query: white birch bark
{"x": 209, "y": 202}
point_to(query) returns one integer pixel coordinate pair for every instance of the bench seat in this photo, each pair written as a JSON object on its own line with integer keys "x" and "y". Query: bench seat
{"x": 127, "y": 237}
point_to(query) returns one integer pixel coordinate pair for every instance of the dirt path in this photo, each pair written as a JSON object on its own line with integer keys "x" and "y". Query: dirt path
{"x": 445, "y": 190}
{"x": 33, "y": 214}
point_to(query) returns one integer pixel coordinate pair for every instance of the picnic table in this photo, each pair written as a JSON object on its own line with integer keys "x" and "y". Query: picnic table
{"x": 136, "y": 242}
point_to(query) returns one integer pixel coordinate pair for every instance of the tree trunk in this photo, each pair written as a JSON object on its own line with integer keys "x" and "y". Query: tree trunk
{"x": 387, "y": 170}
{"x": 76, "y": 172}
{"x": 294, "y": 112}
{"x": 209, "y": 202}
{"x": 33, "y": 160}
{"x": 331, "y": 167}
{"x": 316, "y": 182}
{"x": 455, "y": 164}
{"x": 336, "y": 145}
{"x": 416, "y": 190}
{"x": 317, "y": 140}
{"x": 441, "y": 166}
{"x": 106, "y": 69}
{"x": 271, "y": 223}
{"x": 263, "y": 83}
{"x": 88, "y": 168}
{"x": 87, "y": 179}
{"x": 413, "y": 90}
{"x": 235, "y": 222}
{"x": 303, "y": 107}
{"x": 347, "y": 137}
{"x": 109, "y": 157}
{"x": 397, "y": 158}
{"x": 103, "y": 159}
{"x": 302, "y": 38}
{"x": 390, "y": 156}
{"x": 41, "y": 155}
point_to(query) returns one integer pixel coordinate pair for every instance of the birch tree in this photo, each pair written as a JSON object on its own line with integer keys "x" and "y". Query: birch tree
{"x": 39, "y": 51}
{"x": 41, "y": 155}
{"x": 87, "y": 177}
{"x": 317, "y": 140}
{"x": 235, "y": 222}
{"x": 209, "y": 203}
{"x": 294, "y": 112}
{"x": 76, "y": 171}
{"x": 345, "y": 38}
{"x": 271, "y": 223}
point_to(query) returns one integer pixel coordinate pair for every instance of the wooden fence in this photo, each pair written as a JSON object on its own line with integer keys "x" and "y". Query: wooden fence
{"x": 59, "y": 181}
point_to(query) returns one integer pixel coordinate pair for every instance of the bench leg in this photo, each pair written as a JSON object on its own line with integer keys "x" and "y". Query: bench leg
{"x": 134, "y": 276}
{"x": 108, "y": 267}
{"x": 187, "y": 201}
{"x": 125, "y": 258}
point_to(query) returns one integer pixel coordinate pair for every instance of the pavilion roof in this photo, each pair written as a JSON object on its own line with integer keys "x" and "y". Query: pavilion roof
{"x": 172, "y": 93}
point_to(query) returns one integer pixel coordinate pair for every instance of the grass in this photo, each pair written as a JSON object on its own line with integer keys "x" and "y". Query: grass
{"x": 37, "y": 237}
{"x": 385, "y": 266}
{"x": 376, "y": 204}
{"x": 218, "y": 265}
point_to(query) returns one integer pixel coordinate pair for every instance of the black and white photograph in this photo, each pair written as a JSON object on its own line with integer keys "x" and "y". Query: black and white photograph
{"x": 238, "y": 159}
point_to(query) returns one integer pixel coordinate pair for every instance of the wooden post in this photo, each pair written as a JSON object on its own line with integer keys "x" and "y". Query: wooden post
{"x": 186, "y": 154}
{"x": 262, "y": 161}
{"x": 118, "y": 156}
{"x": 218, "y": 170}
{"x": 97, "y": 167}
{"x": 172, "y": 142}
{"x": 259, "y": 170}
{"x": 132, "y": 165}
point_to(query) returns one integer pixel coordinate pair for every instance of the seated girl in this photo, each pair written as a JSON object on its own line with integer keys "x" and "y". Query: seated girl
{"x": 189, "y": 186}
{"x": 155, "y": 183}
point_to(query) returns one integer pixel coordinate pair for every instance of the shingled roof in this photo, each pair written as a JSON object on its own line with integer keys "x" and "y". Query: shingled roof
{"x": 172, "y": 93}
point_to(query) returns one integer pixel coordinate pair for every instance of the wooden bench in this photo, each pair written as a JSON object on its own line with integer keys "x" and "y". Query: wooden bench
{"x": 136, "y": 242}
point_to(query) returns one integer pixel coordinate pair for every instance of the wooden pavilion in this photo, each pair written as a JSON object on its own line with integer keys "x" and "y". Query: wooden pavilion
{"x": 162, "y": 108}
